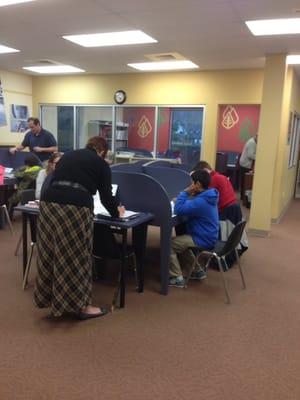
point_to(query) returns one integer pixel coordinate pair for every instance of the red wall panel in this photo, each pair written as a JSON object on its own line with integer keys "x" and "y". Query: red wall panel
{"x": 236, "y": 124}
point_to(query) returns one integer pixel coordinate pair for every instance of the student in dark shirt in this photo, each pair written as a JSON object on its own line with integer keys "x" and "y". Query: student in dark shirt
{"x": 41, "y": 142}
{"x": 65, "y": 230}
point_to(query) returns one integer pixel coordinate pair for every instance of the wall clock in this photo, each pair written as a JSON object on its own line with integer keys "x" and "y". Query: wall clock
{"x": 120, "y": 96}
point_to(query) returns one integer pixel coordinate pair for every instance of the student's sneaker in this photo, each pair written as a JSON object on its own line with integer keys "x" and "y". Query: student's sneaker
{"x": 199, "y": 275}
{"x": 178, "y": 282}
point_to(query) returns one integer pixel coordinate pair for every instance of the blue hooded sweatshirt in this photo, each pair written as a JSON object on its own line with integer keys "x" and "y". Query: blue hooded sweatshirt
{"x": 203, "y": 218}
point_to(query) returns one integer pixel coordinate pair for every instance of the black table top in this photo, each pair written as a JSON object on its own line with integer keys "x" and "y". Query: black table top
{"x": 116, "y": 222}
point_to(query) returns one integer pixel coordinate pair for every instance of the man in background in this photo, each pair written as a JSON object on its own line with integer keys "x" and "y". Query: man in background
{"x": 247, "y": 160}
{"x": 40, "y": 142}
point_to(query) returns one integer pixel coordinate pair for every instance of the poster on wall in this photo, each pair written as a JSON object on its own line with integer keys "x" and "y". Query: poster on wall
{"x": 236, "y": 124}
{"x": 18, "y": 118}
{"x": 2, "y": 108}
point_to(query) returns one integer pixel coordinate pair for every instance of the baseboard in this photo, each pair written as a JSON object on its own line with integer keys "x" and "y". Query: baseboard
{"x": 258, "y": 232}
{"x": 278, "y": 219}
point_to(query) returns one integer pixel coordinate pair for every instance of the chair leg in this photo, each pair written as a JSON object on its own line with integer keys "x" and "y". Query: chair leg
{"x": 8, "y": 218}
{"x": 240, "y": 268}
{"x": 18, "y": 244}
{"x": 25, "y": 279}
{"x": 224, "y": 279}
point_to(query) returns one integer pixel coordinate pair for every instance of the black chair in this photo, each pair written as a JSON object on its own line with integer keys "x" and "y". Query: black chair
{"x": 220, "y": 251}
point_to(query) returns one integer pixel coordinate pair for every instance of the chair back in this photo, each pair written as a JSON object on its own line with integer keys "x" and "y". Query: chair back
{"x": 27, "y": 195}
{"x": 234, "y": 239}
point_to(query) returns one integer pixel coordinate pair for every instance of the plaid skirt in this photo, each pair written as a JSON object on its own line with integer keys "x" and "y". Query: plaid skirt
{"x": 64, "y": 264}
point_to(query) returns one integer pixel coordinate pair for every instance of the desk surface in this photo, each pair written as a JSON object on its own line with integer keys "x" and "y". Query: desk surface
{"x": 126, "y": 224}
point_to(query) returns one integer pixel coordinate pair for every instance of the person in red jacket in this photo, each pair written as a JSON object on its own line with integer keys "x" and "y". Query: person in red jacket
{"x": 220, "y": 182}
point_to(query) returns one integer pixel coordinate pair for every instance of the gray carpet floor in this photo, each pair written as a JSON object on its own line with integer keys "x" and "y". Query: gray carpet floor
{"x": 187, "y": 345}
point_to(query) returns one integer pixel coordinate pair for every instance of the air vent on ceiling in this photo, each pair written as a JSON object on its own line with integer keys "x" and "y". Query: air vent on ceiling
{"x": 165, "y": 56}
{"x": 41, "y": 62}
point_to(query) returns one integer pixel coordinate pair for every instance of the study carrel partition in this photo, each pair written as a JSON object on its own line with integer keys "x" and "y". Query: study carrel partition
{"x": 139, "y": 192}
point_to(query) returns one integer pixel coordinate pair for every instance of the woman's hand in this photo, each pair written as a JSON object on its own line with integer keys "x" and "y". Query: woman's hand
{"x": 121, "y": 210}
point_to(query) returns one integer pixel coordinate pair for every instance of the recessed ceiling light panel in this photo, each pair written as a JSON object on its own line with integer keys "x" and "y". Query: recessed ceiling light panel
{"x": 4, "y": 3}
{"x": 164, "y": 65}
{"x": 5, "y": 49}
{"x": 111, "y": 39}
{"x": 293, "y": 59}
{"x": 54, "y": 69}
{"x": 282, "y": 26}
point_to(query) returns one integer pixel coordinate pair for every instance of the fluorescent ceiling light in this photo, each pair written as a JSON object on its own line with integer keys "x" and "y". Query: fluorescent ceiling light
{"x": 110, "y": 39}
{"x": 5, "y": 49}
{"x": 10, "y": 2}
{"x": 54, "y": 69}
{"x": 293, "y": 59}
{"x": 282, "y": 26}
{"x": 164, "y": 65}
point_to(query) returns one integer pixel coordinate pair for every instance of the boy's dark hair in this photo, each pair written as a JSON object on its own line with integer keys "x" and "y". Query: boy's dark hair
{"x": 31, "y": 161}
{"x": 201, "y": 165}
{"x": 202, "y": 177}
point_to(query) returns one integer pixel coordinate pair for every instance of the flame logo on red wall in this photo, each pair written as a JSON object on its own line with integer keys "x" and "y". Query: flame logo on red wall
{"x": 144, "y": 127}
{"x": 230, "y": 117}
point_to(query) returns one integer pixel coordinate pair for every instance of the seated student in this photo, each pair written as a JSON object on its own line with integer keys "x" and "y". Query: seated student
{"x": 220, "y": 182}
{"x": 43, "y": 173}
{"x": 199, "y": 204}
{"x": 230, "y": 212}
{"x": 26, "y": 177}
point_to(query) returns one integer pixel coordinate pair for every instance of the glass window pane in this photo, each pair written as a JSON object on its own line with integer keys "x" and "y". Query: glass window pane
{"x": 94, "y": 121}
{"x": 140, "y": 122}
{"x": 59, "y": 120}
{"x": 180, "y": 133}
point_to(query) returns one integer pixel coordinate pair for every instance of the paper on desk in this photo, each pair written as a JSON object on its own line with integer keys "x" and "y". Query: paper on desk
{"x": 100, "y": 209}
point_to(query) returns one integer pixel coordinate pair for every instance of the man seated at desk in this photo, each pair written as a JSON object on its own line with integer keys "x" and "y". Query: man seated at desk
{"x": 199, "y": 204}
{"x": 230, "y": 212}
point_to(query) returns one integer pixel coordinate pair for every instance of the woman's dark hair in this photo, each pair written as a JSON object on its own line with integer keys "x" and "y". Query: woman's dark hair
{"x": 97, "y": 143}
{"x": 201, "y": 176}
{"x": 31, "y": 161}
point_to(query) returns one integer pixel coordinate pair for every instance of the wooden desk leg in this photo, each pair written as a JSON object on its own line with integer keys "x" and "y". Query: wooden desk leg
{"x": 139, "y": 238}
{"x": 24, "y": 235}
{"x": 123, "y": 269}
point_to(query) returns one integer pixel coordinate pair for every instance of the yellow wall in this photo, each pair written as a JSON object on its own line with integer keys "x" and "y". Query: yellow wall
{"x": 287, "y": 184}
{"x": 208, "y": 88}
{"x": 17, "y": 89}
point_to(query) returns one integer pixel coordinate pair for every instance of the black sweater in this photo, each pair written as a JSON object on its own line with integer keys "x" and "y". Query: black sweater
{"x": 89, "y": 170}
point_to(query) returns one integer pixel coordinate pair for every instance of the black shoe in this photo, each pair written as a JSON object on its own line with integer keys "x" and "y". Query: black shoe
{"x": 83, "y": 316}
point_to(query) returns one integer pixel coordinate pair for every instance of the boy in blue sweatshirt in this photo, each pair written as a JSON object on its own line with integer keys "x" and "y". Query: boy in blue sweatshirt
{"x": 200, "y": 205}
